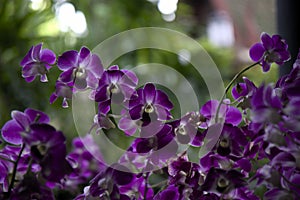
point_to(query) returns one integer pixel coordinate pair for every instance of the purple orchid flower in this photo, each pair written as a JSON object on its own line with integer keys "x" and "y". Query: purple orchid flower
{"x": 31, "y": 188}
{"x": 280, "y": 181}
{"x": 228, "y": 114}
{"x": 151, "y": 151}
{"x": 289, "y": 84}
{"x": 128, "y": 125}
{"x": 244, "y": 193}
{"x": 82, "y": 68}
{"x": 145, "y": 109}
{"x": 115, "y": 86}
{"x": 292, "y": 115}
{"x": 277, "y": 193}
{"x": 171, "y": 192}
{"x": 216, "y": 160}
{"x": 37, "y": 62}
{"x": 4, "y": 172}
{"x": 211, "y": 160}
{"x": 86, "y": 163}
{"x": 64, "y": 90}
{"x": 106, "y": 184}
{"x": 137, "y": 188}
{"x": 186, "y": 129}
{"x": 239, "y": 90}
{"x": 163, "y": 138}
{"x": 14, "y": 129}
{"x": 8, "y": 155}
{"x": 266, "y": 107}
{"x": 243, "y": 89}
{"x": 231, "y": 141}
{"x": 150, "y": 105}
{"x": 48, "y": 148}
{"x": 271, "y": 49}
{"x": 184, "y": 172}
{"x": 222, "y": 181}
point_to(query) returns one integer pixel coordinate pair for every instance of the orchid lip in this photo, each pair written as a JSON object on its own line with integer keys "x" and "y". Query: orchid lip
{"x": 180, "y": 130}
{"x": 224, "y": 142}
{"x": 79, "y": 72}
{"x": 113, "y": 88}
{"x": 42, "y": 149}
{"x": 149, "y": 108}
{"x": 42, "y": 69}
{"x": 182, "y": 173}
{"x": 222, "y": 182}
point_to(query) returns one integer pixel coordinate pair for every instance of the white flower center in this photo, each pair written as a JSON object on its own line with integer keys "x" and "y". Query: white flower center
{"x": 113, "y": 88}
{"x": 149, "y": 108}
{"x": 180, "y": 130}
{"x": 80, "y": 72}
{"x": 224, "y": 142}
{"x": 222, "y": 182}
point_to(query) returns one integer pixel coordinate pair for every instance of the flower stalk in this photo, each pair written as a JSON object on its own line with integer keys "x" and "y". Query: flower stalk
{"x": 13, "y": 177}
{"x": 229, "y": 86}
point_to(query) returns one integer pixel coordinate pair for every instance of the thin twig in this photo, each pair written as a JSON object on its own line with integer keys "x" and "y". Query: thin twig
{"x": 11, "y": 185}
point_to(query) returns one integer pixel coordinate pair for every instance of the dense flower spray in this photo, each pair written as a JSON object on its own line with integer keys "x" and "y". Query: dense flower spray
{"x": 256, "y": 155}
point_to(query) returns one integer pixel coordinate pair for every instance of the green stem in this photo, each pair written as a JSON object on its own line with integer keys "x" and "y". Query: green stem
{"x": 115, "y": 116}
{"x": 228, "y": 87}
{"x": 29, "y": 166}
{"x": 234, "y": 102}
{"x": 37, "y": 118}
{"x": 11, "y": 185}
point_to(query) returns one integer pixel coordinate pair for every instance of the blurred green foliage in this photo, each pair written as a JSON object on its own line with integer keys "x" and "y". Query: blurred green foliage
{"x": 18, "y": 31}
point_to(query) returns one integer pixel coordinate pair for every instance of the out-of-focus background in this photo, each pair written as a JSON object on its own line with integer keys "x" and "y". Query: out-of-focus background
{"x": 225, "y": 28}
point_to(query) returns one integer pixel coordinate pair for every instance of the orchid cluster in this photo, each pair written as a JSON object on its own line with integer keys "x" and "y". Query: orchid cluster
{"x": 255, "y": 156}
